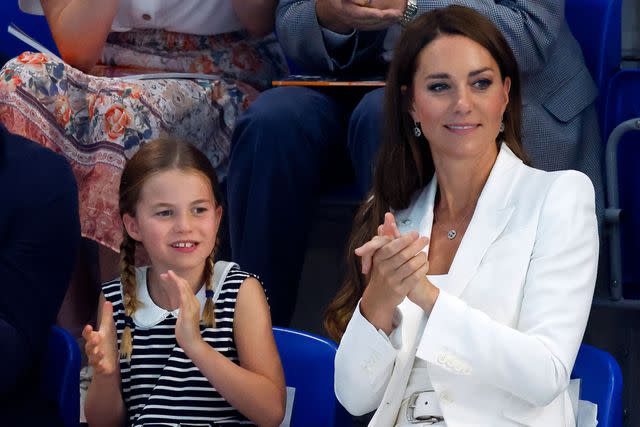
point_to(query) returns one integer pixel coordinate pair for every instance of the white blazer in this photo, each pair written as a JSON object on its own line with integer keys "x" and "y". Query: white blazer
{"x": 502, "y": 339}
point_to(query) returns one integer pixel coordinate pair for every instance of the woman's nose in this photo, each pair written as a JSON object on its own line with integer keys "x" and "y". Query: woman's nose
{"x": 463, "y": 101}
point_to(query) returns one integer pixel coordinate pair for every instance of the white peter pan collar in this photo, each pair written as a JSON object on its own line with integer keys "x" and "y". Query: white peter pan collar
{"x": 148, "y": 313}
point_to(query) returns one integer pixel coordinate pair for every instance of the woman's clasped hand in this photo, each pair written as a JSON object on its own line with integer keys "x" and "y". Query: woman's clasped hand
{"x": 397, "y": 267}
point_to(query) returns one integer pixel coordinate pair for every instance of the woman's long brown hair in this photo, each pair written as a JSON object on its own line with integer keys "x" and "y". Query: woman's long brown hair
{"x": 404, "y": 163}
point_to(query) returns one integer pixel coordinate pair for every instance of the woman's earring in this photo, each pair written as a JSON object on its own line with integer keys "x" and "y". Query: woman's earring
{"x": 501, "y": 126}
{"x": 416, "y": 130}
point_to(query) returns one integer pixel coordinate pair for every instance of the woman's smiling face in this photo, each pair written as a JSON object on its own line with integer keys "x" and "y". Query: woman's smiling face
{"x": 459, "y": 98}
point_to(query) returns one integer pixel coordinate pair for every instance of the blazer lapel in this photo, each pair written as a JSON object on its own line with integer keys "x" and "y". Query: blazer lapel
{"x": 492, "y": 214}
{"x": 481, "y": 233}
{"x": 419, "y": 216}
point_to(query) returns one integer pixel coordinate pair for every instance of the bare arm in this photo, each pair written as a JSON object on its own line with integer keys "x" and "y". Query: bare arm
{"x": 257, "y": 16}
{"x": 104, "y": 406}
{"x": 80, "y": 28}
{"x": 255, "y": 388}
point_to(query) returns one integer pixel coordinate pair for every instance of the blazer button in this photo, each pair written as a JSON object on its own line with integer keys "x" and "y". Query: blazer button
{"x": 442, "y": 358}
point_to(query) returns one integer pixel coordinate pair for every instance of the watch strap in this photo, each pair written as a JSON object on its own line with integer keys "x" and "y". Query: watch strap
{"x": 410, "y": 12}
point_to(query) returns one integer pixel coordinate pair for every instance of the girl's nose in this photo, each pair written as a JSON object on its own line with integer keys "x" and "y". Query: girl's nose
{"x": 182, "y": 223}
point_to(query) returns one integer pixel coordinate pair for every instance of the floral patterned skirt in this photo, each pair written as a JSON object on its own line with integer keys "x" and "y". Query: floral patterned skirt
{"x": 99, "y": 120}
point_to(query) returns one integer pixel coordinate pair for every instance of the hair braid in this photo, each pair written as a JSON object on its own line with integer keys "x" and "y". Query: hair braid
{"x": 208, "y": 314}
{"x": 129, "y": 289}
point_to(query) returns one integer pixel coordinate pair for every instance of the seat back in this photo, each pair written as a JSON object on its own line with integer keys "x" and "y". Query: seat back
{"x": 33, "y": 25}
{"x": 308, "y": 362}
{"x": 61, "y": 375}
{"x": 601, "y": 383}
{"x": 596, "y": 25}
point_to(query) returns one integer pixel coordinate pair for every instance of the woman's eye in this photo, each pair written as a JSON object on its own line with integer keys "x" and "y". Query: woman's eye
{"x": 438, "y": 87}
{"x": 164, "y": 213}
{"x": 482, "y": 83}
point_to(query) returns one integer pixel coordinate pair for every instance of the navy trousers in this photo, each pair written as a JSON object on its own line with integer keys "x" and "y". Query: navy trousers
{"x": 292, "y": 144}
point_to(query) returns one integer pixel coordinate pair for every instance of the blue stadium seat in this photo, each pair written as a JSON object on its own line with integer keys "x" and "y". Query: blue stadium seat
{"x": 308, "y": 362}
{"x": 596, "y": 24}
{"x": 34, "y": 26}
{"x": 623, "y": 183}
{"x": 601, "y": 383}
{"x": 61, "y": 375}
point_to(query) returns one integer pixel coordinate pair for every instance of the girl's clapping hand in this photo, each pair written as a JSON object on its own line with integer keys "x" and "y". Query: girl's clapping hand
{"x": 188, "y": 324}
{"x": 100, "y": 346}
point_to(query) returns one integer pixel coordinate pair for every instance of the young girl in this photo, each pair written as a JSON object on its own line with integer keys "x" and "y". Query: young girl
{"x": 195, "y": 339}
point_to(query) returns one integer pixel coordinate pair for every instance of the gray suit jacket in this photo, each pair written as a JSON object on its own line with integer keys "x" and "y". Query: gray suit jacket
{"x": 560, "y": 129}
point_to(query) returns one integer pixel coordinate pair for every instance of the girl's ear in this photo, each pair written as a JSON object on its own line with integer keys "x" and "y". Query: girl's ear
{"x": 218, "y": 213}
{"x": 131, "y": 225}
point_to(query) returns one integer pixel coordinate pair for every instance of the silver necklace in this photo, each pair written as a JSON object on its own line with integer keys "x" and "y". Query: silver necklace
{"x": 452, "y": 232}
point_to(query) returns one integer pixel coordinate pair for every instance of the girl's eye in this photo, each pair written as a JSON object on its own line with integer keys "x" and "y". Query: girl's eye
{"x": 482, "y": 84}
{"x": 438, "y": 87}
{"x": 164, "y": 213}
{"x": 199, "y": 210}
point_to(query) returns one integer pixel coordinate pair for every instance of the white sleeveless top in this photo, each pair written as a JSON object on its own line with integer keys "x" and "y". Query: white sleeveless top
{"x": 202, "y": 17}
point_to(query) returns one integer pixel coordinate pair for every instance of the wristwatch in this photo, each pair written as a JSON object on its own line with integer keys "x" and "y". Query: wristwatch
{"x": 410, "y": 13}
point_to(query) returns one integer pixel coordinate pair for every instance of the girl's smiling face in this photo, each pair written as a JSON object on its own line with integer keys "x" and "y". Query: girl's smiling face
{"x": 459, "y": 97}
{"x": 177, "y": 220}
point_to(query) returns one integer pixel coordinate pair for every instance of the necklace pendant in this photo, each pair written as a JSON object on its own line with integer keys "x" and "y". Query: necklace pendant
{"x": 452, "y": 234}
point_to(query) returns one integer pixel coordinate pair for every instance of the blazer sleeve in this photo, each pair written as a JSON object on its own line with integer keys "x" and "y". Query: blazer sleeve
{"x": 530, "y": 27}
{"x": 364, "y": 364}
{"x": 534, "y": 360}
{"x": 300, "y": 35}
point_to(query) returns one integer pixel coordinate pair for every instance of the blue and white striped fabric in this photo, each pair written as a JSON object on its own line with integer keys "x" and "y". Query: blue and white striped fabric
{"x": 160, "y": 384}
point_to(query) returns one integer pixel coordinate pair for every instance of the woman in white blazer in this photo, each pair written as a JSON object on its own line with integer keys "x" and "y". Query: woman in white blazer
{"x": 468, "y": 305}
